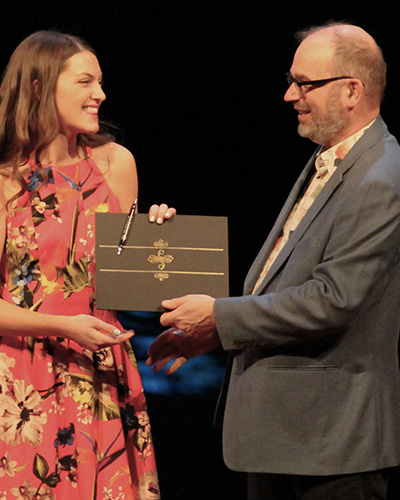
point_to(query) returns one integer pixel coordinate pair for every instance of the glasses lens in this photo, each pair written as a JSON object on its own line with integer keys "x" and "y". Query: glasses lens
{"x": 290, "y": 79}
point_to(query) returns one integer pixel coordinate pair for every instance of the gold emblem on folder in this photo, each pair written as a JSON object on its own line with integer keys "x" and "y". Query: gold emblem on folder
{"x": 188, "y": 254}
{"x": 161, "y": 259}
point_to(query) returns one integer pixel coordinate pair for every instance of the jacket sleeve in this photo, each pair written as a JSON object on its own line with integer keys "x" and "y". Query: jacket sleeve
{"x": 360, "y": 253}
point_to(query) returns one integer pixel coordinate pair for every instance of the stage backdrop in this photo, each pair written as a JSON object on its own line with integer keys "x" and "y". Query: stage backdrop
{"x": 196, "y": 90}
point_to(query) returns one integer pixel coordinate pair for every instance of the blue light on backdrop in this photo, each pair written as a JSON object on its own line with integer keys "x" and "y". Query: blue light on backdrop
{"x": 198, "y": 376}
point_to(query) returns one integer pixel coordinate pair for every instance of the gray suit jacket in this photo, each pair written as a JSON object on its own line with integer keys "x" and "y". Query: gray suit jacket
{"x": 315, "y": 386}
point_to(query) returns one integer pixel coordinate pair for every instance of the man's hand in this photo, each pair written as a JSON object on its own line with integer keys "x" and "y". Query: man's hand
{"x": 165, "y": 349}
{"x": 193, "y": 332}
{"x": 194, "y": 314}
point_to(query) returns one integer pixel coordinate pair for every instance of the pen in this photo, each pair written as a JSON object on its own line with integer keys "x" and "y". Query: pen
{"x": 127, "y": 226}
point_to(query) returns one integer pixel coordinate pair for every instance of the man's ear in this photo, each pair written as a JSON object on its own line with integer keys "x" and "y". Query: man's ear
{"x": 354, "y": 92}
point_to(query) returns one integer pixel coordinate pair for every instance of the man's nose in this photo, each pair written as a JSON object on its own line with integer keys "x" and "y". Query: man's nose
{"x": 293, "y": 93}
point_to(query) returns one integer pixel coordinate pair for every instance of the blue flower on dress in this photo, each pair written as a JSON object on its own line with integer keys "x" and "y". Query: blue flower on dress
{"x": 36, "y": 178}
{"x": 129, "y": 420}
{"x": 25, "y": 273}
{"x": 65, "y": 436}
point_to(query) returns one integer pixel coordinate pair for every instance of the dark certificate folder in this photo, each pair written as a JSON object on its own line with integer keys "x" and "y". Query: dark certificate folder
{"x": 188, "y": 254}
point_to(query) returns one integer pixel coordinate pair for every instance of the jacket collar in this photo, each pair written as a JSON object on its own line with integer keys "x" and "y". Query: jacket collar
{"x": 371, "y": 136}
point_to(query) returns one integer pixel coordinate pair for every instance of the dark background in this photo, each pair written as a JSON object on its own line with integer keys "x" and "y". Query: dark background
{"x": 196, "y": 86}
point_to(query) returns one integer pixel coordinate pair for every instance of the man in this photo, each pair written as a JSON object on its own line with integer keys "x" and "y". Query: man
{"x": 313, "y": 405}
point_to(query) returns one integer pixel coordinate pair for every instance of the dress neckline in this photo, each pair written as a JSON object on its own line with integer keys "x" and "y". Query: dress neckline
{"x": 87, "y": 156}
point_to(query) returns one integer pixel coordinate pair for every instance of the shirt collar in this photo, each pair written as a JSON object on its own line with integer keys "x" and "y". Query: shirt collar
{"x": 327, "y": 161}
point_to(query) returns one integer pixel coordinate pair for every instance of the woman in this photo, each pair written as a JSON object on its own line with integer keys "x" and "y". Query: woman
{"x": 73, "y": 419}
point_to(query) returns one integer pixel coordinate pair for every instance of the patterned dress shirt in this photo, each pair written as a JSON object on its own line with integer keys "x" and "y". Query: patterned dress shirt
{"x": 326, "y": 163}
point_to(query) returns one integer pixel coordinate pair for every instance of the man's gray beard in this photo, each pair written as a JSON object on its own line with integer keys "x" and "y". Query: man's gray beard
{"x": 323, "y": 130}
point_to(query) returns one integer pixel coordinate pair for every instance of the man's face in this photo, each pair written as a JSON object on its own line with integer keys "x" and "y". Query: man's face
{"x": 322, "y": 115}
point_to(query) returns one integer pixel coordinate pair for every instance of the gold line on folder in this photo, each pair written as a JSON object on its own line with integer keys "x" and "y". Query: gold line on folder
{"x": 164, "y": 248}
{"x": 155, "y": 271}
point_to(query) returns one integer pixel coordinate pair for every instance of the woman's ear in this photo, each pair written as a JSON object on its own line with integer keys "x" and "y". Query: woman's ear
{"x": 35, "y": 88}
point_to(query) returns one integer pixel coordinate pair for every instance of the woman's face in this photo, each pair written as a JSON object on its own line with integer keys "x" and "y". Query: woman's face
{"x": 79, "y": 94}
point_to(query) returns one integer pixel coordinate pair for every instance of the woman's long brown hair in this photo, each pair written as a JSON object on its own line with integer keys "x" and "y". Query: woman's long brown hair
{"x": 28, "y": 113}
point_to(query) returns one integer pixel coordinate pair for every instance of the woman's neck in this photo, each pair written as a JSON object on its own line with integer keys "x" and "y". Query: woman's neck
{"x": 62, "y": 152}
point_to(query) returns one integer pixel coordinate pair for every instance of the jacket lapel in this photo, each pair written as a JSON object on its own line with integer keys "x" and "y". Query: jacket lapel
{"x": 370, "y": 137}
{"x": 266, "y": 249}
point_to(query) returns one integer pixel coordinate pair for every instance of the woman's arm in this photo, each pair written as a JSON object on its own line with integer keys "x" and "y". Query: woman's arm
{"x": 118, "y": 166}
{"x": 88, "y": 331}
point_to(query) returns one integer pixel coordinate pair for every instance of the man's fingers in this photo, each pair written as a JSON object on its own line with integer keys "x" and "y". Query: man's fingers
{"x": 176, "y": 365}
{"x": 173, "y": 303}
{"x": 166, "y": 348}
{"x": 161, "y": 350}
{"x": 161, "y": 363}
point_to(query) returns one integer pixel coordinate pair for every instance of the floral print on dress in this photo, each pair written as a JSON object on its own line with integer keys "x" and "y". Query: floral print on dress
{"x": 22, "y": 418}
{"x": 73, "y": 424}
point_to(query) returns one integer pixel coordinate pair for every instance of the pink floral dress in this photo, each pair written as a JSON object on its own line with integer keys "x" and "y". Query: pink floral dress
{"x": 73, "y": 424}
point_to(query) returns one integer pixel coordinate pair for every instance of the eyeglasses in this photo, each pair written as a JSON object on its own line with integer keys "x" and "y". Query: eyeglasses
{"x": 314, "y": 83}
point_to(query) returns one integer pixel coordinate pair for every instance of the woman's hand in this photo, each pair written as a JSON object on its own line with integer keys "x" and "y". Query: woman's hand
{"x": 93, "y": 333}
{"x": 158, "y": 213}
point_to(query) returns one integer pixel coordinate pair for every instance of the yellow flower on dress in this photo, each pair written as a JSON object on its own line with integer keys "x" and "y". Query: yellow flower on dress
{"x": 5, "y": 373}
{"x": 24, "y": 492}
{"x": 22, "y": 238}
{"x": 39, "y": 205}
{"x": 107, "y": 493}
{"x": 7, "y": 465}
{"x": 104, "y": 359}
{"x": 45, "y": 493}
{"x": 5, "y": 364}
{"x": 82, "y": 389}
{"x": 148, "y": 486}
{"x": 50, "y": 287}
{"x": 98, "y": 208}
{"x": 21, "y": 416}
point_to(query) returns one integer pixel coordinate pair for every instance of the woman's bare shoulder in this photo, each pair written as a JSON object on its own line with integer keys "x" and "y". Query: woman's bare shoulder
{"x": 114, "y": 156}
{"x": 118, "y": 166}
